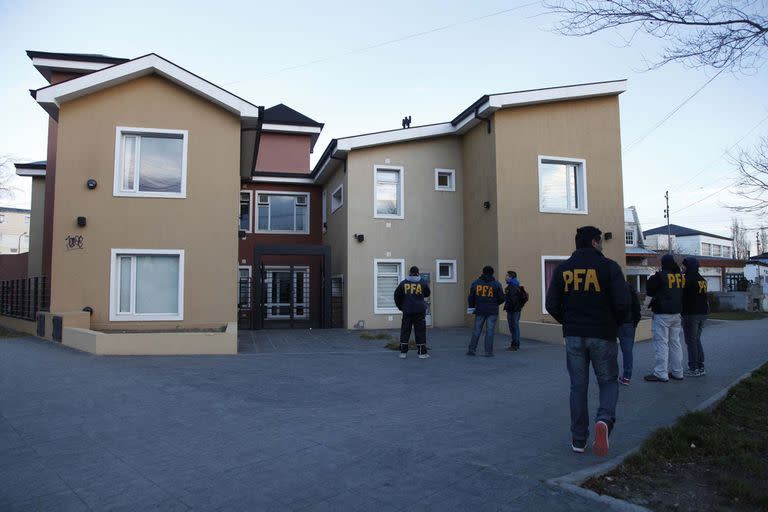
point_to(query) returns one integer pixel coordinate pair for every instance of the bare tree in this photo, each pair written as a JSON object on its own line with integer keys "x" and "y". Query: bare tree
{"x": 752, "y": 182}
{"x": 6, "y": 174}
{"x": 719, "y": 34}
{"x": 740, "y": 241}
{"x": 763, "y": 241}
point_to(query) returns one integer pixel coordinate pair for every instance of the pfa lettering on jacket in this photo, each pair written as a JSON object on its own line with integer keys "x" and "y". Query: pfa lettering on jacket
{"x": 414, "y": 289}
{"x": 702, "y": 287}
{"x": 581, "y": 279}
{"x": 483, "y": 290}
{"x": 675, "y": 281}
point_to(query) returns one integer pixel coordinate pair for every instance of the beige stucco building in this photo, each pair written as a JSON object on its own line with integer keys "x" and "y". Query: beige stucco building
{"x": 14, "y": 230}
{"x": 506, "y": 183}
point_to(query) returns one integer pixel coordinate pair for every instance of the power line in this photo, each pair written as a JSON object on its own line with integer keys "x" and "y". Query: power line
{"x": 386, "y": 43}
{"x": 644, "y": 136}
{"x": 730, "y": 184}
{"x": 724, "y": 152}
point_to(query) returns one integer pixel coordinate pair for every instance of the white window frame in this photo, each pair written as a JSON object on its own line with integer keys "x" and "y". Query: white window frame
{"x": 400, "y": 199}
{"x": 269, "y": 222}
{"x": 114, "y": 286}
{"x": 147, "y": 132}
{"x": 376, "y": 309}
{"x": 306, "y": 304}
{"x": 2, "y": 218}
{"x": 452, "y": 186}
{"x": 709, "y": 251}
{"x": 544, "y": 259}
{"x": 453, "y": 277}
{"x": 631, "y": 233}
{"x": 250, "y": 211}
{"x": 239, "y": 268}
{"x": 566, "y": 160}
{"x": 341, "y": 202}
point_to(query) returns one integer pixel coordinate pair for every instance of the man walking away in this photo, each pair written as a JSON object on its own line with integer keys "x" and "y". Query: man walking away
{"x": 587, "y": 295}
{"x": 627, "y": 335}
{"x": 409, "y": 298}
{"x": 513, "y": 305}
{"x": 695, "y": 310}
{"x": 666, "y": 288}
{"x": 485, "y": 296}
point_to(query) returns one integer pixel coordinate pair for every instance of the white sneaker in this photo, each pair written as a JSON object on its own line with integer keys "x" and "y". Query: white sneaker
{"x": 403, "y": 355}
{"x": 423, "y": 356}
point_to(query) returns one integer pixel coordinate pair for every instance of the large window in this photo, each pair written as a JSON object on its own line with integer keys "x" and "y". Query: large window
{"x": 706, "y": 249}
{"x": 282, "y": 212}
{"x": 629, "y": 237}
{"x": 388, "y": 192}
{"x": 726, "y": 252}
{"x": 548, "y": 266}
{"x": 245, "y": 210}
{"x": 150, "y": 162}
{"x": 147, "y": 285}
{"x": 387, "y": 275}
{"x": 562, "y": 185}
{"x": 716, "y": 250}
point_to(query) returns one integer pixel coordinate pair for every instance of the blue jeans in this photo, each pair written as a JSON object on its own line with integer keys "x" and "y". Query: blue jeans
{"x": 627, "y": 342}
{"x": 603, "y": 356}
{"x": 513, "y": 318}
{"x": 490, "y": 329}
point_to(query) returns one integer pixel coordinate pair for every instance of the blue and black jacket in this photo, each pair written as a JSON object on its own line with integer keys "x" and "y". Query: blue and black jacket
{"x": 588, "y": 295}
{"x": 485, "y": 295}
{"x": 666, "y": 288}
{"x": 410, "y": 295}
{"x": 695, "y": 289}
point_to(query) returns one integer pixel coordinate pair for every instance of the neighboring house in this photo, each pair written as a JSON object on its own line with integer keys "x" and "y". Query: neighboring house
{"x": 142, "y": 184}
{"x": 14, "y": 230}
{"x": 756, "y": 270}
{"x": 505, "y": 183}
{"x": 36, "y": 171}
{"x": 638, "y": 256}
{"x": 689, "y": 241}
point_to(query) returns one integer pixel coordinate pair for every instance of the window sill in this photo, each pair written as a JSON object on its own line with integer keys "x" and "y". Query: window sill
{"x": 389, "y": 217}
{"x": 162, "y": 195}
{"x": 446, "y": 280}
{"x": 393, "y": 311}
{"x": 565, "y": 212}
{"x": 145, "y": 318}
{"x": 260, "y": 232}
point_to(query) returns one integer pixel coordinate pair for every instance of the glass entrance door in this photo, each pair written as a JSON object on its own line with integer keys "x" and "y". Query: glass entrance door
{"x": 286, "y": 290}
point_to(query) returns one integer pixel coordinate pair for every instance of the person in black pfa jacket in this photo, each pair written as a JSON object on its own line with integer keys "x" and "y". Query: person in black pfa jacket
{"x": 409, "y": 298}
{"x": 666, "y": 289}
{"x": 627, "y": 335}
{"x": 588, "y": 296}
{"x": 694, "y": 314}
{"x": 485, "y": 296}
{"x": 513, "y": 305}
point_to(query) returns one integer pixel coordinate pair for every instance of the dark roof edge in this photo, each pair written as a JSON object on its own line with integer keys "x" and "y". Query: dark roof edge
{"x": 31, "y": 165}
{"x": 76, "y": 57}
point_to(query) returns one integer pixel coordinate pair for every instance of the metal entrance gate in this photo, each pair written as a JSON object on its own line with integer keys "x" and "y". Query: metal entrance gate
{"x": 281, "y": 295}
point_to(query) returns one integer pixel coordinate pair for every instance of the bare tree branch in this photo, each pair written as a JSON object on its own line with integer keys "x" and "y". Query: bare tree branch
{"x": 719, "y": 34}
{"x": 740, "y": 240}
{"x": 7, "y": 172}
{"x": 752, "y": 185}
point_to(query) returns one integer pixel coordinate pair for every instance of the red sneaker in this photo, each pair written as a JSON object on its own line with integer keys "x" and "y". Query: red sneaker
{"x": 600, "y": 446}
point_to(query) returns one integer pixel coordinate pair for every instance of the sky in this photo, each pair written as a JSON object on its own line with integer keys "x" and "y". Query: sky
{"x": 362, "y": 66}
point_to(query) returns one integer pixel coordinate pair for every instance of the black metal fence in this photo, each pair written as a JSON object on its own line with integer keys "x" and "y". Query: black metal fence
{"x": 23, "y": 298}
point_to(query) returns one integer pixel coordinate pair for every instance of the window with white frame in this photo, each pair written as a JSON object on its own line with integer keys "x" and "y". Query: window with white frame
{"x": 716, "y": 250}
{"x": 706, "y": 249}
{"x": 2, "y": 218}
{"x": 726, "y": 251}
{"x": 150, "y": 162}
{"x": 445, "y": 180}
{"x": 629, "y": 237}
{"x": 548, "y": 266}
{"x": 388, "y": 192}
{"x": 387, "y": 275}
{"x": 562, "y": 185}
{"x": 337, "y": 198}
{"x": 244, "y": 287}
{"x": 147, "y": 285}
{"x": 245, "y": 210}
{"x": 446, "y": 271}
{"x": 282, "y": 212}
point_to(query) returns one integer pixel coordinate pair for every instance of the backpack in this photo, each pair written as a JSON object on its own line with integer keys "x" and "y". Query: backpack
{"x": 523, "y": 296}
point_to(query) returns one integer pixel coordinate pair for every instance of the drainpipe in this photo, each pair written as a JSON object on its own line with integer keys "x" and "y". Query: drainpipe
{"x": 257, "y": 142}
{"x": 486, "y": 119}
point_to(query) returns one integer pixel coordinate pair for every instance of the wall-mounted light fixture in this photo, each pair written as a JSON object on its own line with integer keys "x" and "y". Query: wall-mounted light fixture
{"x": 359, "y": 237}
{"x": 91, "y": 184}
{"x": 608, "y": 235}
{"x": 81, "y": 222}
{"x": 487, "y": 205}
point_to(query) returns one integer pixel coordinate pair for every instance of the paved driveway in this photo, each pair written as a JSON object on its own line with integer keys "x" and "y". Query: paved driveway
{"x": 320, "y": 421}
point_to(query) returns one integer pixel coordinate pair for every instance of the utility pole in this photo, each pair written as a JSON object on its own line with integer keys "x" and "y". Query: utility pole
{"x": 669, "y": 231}
{"x": 757, "y": 240}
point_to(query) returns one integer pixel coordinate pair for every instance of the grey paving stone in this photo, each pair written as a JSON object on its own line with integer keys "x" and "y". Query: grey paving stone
{"x": 318, "y": 421}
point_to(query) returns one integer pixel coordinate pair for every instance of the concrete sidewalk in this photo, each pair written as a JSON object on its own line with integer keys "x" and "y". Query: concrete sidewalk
{"x": 335, "y": 424}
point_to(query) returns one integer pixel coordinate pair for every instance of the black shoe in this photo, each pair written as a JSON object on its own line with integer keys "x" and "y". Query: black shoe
{"x": 653, "y": 378}
{"x": 578, "y": 446}
{"x": 470, "y": 353}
